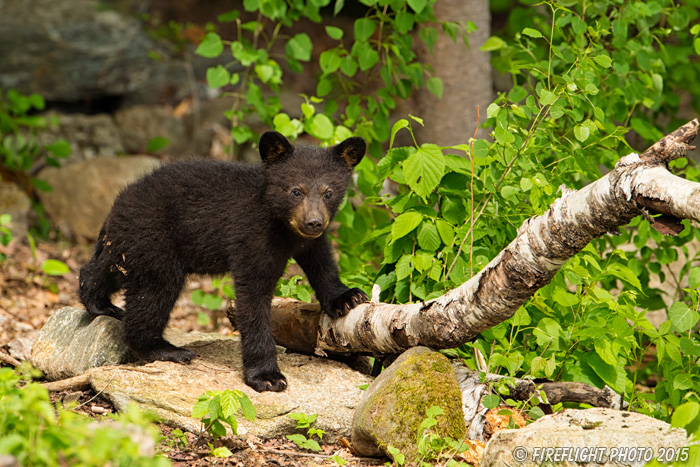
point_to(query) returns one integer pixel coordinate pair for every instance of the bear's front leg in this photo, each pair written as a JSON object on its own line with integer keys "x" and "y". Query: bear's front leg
{"x": 336, "y": 298}
{"x": 260, "y": 370}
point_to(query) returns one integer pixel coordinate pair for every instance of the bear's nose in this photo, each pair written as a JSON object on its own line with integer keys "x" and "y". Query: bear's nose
{"x": 315, "y": 225}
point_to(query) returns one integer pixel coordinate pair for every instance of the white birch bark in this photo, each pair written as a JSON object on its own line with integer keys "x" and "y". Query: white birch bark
{"x": 543, "y": 244}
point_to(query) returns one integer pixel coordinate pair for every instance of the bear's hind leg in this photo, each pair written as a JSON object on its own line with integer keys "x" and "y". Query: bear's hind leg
{"x": 149, "y": 301}
{"x": 97, "y": 284}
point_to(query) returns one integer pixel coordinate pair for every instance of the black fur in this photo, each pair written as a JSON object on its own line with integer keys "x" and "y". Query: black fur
{"x": 207, "y": 217}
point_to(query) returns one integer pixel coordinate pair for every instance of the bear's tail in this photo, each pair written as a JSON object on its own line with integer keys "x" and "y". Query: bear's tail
{"x": 97, "y": 282}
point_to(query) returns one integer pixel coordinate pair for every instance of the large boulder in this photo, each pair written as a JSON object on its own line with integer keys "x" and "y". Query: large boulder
{"x": 325, "y": 387}
{"x": 82, "y": 193}
{"x": 396, "y": 403}
{"x": 592, "y": 437}
{"x": 77, "y": 50}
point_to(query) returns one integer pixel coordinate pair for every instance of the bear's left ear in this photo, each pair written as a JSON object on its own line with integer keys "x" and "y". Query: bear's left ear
{"x": 273, "y": 147}
{"x": 352, "y": 150}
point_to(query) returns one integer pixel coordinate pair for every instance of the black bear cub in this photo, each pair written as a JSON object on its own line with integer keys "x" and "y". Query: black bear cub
{"x": 209, "y": 217}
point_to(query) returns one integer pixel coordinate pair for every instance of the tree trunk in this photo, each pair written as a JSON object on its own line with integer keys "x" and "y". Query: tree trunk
{"x": 637, "y": 185}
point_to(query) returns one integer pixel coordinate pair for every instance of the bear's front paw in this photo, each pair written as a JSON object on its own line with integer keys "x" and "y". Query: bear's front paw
{"x": 346, "y": 302}
{"x": 268, "y": 381}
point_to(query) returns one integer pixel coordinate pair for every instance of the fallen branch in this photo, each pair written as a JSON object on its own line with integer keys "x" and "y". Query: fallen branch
{"x": 637, "y": 185}
{"x": 9, "y": 359}
{"x": 76, "y": 383}
{"x": 473, "y": 390}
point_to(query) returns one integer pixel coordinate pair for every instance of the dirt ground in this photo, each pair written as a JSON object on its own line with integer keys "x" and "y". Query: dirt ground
{"x": 28, "y": 297}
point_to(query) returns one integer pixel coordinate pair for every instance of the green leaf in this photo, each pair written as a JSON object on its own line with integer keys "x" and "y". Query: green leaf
{"x": 417, "y": 5}
{"x": 247, "y": 407}
{"x": 404, "y": 21}
{"x": 221, "y": 451}
{"x": 424, "y": 168}
{"x": 368, "y": 59}
{"x": 603, "y": 60}
{"x": 218, "y": 76}
{"x": 494, "y": 43}
{"x": 157, "y": 143}
{"x": 59, "y": 148}
{"x": 534, "y": 33}
{"x": 364, "y": 28}
{"x": 321, "y": 127}
{"x": 435, "y": 86}
{"x": 429, "y": 35}
{"x": 428, "y": 236}
{"x": 604, "y": 349}
{"x": 626, "y": 274}
{"x": 403, "y": 267}
{"x": 682, "y": 381}
{"x": 581, "y": 132}
{"x": 405, "y": 223}
{"x": 299, "y": 47}
{"x": 547, "y": 97}
{"x": 491, "y": 401}
{"x": 685, "y": 414}
{"x": 349, "y": 66}
{"x": 54, "y": 267}
{"x": 228, "y": 17}
{"x": 201, "y": 408}
{"x": 334, "y": 32}
{"x": 402, "y": 123}
{"x": 264, "y": 72}
{"x": 229, "y": 404}
{"x": 547, "y": 332}
{"x": 330, "y": 61}
{"x": 694, "y": 278}
{"x": 682, "y": 317}
{"x": 211, "y": 46}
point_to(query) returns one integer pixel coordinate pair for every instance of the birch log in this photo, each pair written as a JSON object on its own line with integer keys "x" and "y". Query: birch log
{"x": 637, "y": 185}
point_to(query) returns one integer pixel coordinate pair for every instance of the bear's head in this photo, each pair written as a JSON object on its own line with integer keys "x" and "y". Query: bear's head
{"x": 306, "y": 184}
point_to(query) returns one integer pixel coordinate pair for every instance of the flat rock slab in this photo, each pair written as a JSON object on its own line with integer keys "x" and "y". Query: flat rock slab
{"x": 316, "y": 385}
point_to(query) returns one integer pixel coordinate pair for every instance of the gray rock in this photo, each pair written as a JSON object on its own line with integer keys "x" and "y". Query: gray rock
{"x": 15, "y": 202}
{"x": 71, "y": 342}
{"x": 141, "y": 123}
{"x": 83, "y": 193}
{"x": 623, "y": 438}
{"x": 395, "y": 404}
{"x": 76, "y": 50}
{"x": 90, "y": 136}
{"x": 325, "y": 387}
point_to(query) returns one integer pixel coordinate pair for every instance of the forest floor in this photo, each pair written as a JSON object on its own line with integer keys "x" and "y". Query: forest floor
{"x": 28, "y": 297}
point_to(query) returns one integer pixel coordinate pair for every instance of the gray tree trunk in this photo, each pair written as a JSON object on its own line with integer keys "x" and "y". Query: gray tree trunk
{"x": 466, "y": 75}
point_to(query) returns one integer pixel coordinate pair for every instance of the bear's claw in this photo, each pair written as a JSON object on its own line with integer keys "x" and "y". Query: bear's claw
{"x": 271, "y": 381}
{"x": 348, "y": 300}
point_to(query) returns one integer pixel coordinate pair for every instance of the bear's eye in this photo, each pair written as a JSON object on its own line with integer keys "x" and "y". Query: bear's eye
{"x": 329, "y": 194}
{"x": 296, "y": 192}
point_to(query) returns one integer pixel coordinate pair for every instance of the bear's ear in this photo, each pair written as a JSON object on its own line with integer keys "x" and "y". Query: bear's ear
{"x": 274, "y": 147}
{"x": 352, "y": 150}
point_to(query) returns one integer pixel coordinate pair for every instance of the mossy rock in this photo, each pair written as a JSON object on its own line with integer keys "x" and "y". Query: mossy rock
{"x": 394, "y": 405}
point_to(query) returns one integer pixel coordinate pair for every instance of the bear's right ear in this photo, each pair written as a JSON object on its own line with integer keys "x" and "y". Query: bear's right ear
{"x": 274, "y": 147}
